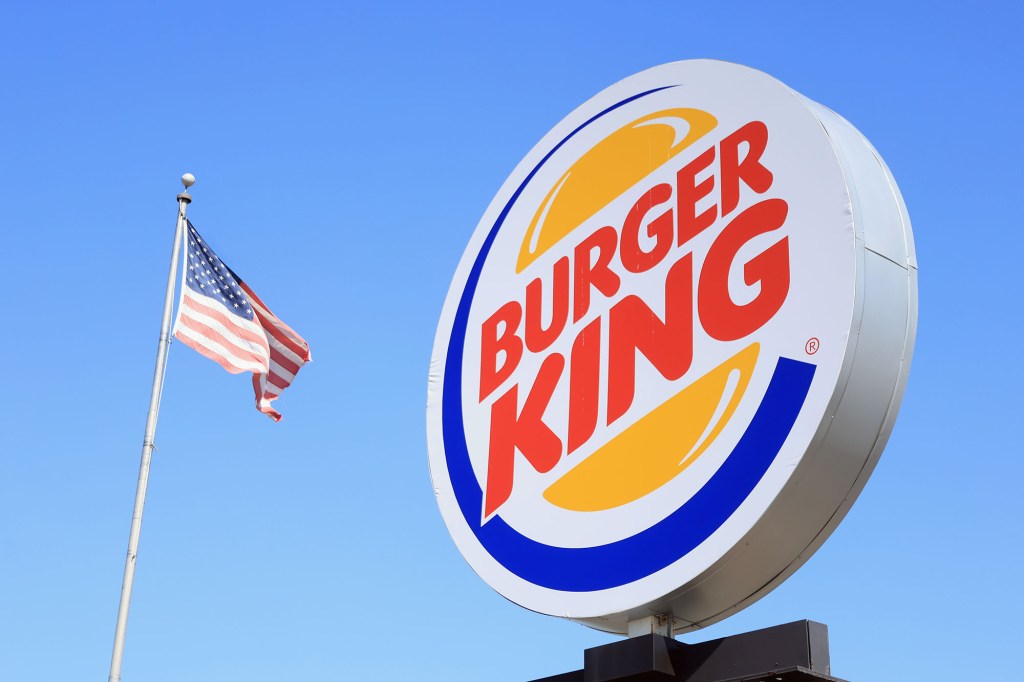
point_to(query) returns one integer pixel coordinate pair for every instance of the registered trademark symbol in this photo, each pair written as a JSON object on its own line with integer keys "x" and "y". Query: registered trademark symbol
{"x": 812, "y": 345}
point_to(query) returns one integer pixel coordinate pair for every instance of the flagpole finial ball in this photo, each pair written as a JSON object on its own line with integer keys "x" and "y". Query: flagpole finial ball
{"x": 188, "y": 180}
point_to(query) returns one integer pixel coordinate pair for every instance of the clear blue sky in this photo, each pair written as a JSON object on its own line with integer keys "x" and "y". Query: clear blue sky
{"x": 344, "y": 154}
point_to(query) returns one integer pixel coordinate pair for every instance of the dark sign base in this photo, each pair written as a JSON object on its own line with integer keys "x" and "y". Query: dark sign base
{"x": 795, "y": 652}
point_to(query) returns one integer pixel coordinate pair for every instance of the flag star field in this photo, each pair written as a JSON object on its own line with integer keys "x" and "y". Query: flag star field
{"x": 208, "y": 276}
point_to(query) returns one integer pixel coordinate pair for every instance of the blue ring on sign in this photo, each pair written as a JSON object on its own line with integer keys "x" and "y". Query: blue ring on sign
{"x": 587, "y": 569}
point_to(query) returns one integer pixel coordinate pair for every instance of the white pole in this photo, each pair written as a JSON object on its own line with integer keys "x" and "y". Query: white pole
{"x": 147, "y": 442}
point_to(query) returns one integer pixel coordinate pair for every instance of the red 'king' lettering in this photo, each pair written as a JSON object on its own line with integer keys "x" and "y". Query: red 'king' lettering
{"x": 525, "y": 430}
{"x": 584, "y": 384}
{"x": 634, "y": 327}
{"x": 721, "y": 318}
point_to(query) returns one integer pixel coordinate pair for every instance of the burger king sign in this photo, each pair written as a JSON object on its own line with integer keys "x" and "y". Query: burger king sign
{"x": 673, "y": 350}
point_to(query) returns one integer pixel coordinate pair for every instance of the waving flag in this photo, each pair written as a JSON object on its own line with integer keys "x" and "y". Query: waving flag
{"x": 221, "y": 318}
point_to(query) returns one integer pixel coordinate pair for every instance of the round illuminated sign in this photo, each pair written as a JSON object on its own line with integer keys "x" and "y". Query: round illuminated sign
{"x": 673, "y": 350}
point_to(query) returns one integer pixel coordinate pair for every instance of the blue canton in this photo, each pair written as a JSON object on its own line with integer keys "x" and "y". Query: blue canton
{"x": 208, "y": 276}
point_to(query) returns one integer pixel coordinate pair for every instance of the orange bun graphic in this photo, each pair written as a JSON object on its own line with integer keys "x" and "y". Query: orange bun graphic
{"x": 610, "y": 168}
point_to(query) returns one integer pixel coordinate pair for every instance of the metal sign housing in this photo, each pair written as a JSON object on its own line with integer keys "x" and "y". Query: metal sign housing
{"x": 673, "y": 350}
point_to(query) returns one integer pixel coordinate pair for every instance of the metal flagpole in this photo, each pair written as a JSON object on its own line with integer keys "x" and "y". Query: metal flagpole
{"x": 147, "y": 442}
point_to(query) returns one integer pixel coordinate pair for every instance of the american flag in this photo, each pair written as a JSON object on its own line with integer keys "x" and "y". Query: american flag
{"x": 220, "y": 317}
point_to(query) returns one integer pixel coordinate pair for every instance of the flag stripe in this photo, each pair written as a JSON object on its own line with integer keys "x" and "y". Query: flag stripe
{"x": 278, "y": 381}
{"x": 204, "y": 347}
{"x": 239, "y": 327}
{"x": 284, "y": 362}
{"x": 280, "y": 331}
{"x": 262, "y": 402}
{"x": 282, "y": 370}
{"x": 281, "y": 378}
{"x": 193, "y": 339}
{"x": 279, "y": 335}
{"x": 237, "y": 352}
{"x": 277, "y": 348}
{"x": 261, "y": 306}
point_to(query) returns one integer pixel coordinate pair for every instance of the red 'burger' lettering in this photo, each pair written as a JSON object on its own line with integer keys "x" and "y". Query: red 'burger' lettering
{"x": 689, "y": 192}
{"x": 596, "y": 274}
{"x": 508, "y": 317}
{"x": 633, "y": 257}
{"x": 749, "y": 170}
{"x": 537, "y": 337}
